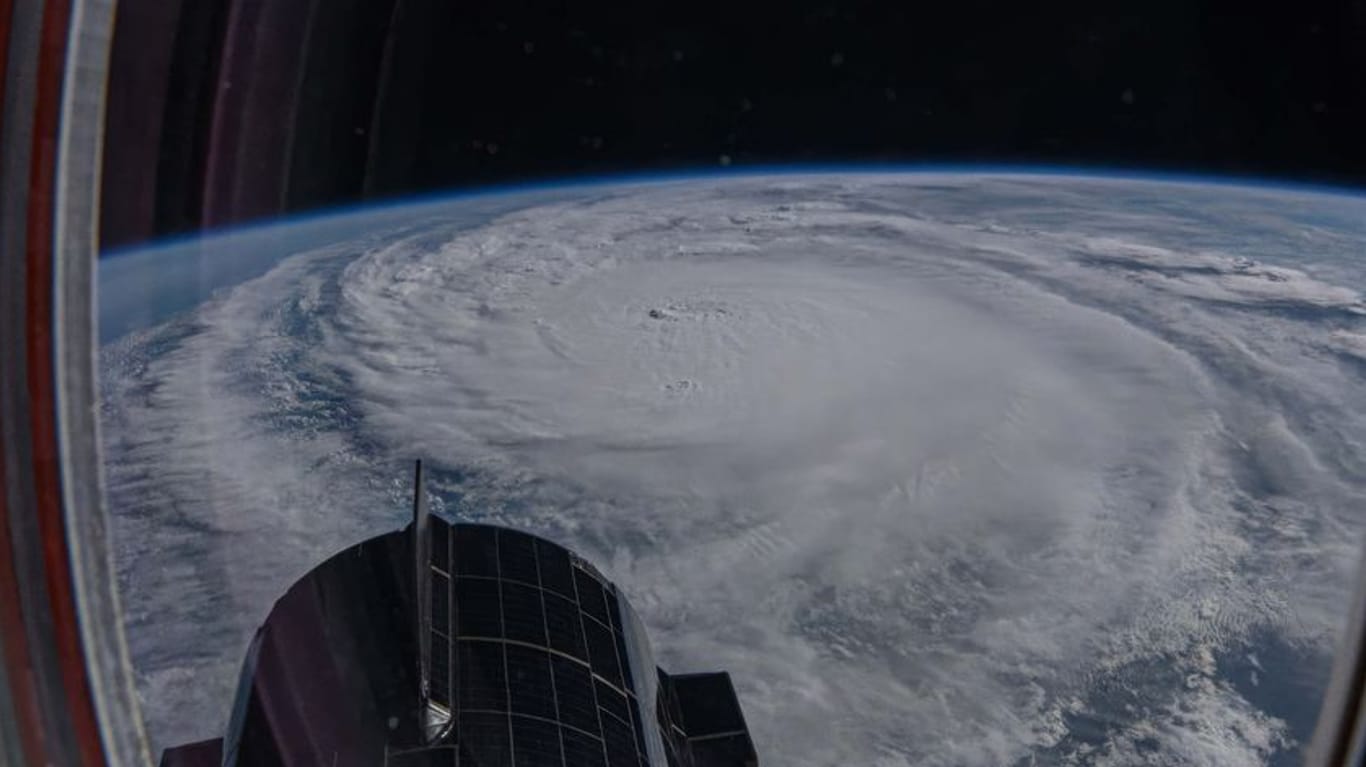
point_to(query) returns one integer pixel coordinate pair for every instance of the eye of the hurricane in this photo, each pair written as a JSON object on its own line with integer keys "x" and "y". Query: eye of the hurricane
{"x": 732, "y": 345}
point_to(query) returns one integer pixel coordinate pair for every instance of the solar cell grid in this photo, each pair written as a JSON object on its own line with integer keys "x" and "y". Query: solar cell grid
{"x": 535, "y": 743}
{"x": 602, "y": 652}
{"x": 517, "y": 556}
{"x": 517, "y": 705}
{"x": 523, "y": 616}
{"x": 574, "y": 694}
{"x": 485, "y": 740}
{"x": 612, "y": 702}
{"x": 535, "y": 675}
{"x": 581, "y": 750}
{"x": 482, "y": 681}
{"x": 621, "y": 745}
{"x": 566, "y": 632}
{"x": 479, "y": 612}
{"x": 590, "y": 596}
{"x": 476, "y": 551}
{"x": 529, "y": 681}
{"x": 556, "y": 572}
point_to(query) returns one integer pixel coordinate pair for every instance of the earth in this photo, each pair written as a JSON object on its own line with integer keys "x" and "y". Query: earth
{"x": 946, "y": 468}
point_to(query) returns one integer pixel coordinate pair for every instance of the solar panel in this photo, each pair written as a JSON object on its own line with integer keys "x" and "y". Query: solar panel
{"x": 523, "y": 616}
{"x": 517, "y": 556}
{"x": 536, "y": 743}
{"x": 612, "y": 702}
{"x": 666, "y": 710}
{"x": 556, "y": 572}
{"x": 581, "y": 750}
{"x": 707, "y": 703}
{"x": 602, "y": 652}
{"x": 485, "y": 740}
{"x": 621, "y": 745}
{"x": 478, "y": 611}
{"x": 590, "y": 596}
{"x": 476, "y": 551}
{"x": 481, "y": 683}
{"x": 574, "y": 694}
{"x": 441, "y": 554}
{"x": 529, "y": 681}
{"x": 562, "y": 619}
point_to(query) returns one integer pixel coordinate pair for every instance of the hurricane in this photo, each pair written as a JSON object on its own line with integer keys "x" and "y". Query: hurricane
{"x": 950, "y": 468}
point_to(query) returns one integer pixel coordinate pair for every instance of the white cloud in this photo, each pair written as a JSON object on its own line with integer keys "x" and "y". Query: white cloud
{"x": 927, "y": 463}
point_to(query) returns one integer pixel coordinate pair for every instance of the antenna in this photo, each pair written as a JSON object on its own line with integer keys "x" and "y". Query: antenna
{"x": 422, "y": 591}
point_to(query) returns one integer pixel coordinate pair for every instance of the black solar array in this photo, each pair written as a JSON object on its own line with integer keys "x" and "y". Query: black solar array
{"x": 602, "y": 652}
{"x": 482, "y": 681}
{"x": 574, "y": 688}
{"x": 557, "y": 574}
{"x": 529, "y": 681}
{"x": 582, "y": 750}
{"x": 590, "y": 597}
{"x": 708, "y": 704}
{"x": 476, "y": 552}
{"x": 478, "y": 608}
{"x": 537, "y": 742}
{"x": 613, "y": 702}
{"x": 485, "y": 740}
{"x": 670, "y": 722}
{"x": 621, "y": 745}
{"x": 529, "y": 653}
{"x": 565, "y": 626}
{"x": 523, "y": 615}
{"x": 517, "y": 557}
{"x": 538, "y": 648}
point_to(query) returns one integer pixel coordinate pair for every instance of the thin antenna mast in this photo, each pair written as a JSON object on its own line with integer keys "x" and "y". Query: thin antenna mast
{"x": 422, "y": 592}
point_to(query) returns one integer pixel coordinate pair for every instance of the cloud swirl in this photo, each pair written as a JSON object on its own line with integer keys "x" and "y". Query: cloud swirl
{"x": 955, "y": 469}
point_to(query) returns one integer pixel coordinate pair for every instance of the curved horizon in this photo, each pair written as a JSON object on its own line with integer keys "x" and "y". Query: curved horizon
{"x": 572, "y": 182}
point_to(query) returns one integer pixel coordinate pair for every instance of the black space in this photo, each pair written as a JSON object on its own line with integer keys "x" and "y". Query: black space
{"x": 377, "y": 98}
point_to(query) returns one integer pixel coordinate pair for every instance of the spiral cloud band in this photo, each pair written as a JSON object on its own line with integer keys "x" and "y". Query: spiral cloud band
{"x": 946, "y": 469}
